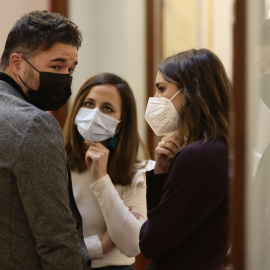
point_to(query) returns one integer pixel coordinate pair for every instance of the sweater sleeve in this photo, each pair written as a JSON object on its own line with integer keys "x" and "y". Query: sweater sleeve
{"x": 155, "y": 184}
{"x": 41, "y": 174}
{"x": 122, "y": 225}
{"x": 195, "y": 187}
{"x": 94, "y": 246}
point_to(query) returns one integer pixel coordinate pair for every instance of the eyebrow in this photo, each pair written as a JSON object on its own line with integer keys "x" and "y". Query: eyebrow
{"x": 63, "y": 60}
{"x": 105, "y": 103}
{"x": 159, "y": 83}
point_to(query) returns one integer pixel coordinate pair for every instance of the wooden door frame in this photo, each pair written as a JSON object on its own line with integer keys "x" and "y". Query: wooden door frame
{"x": 154, "y": 56}
{"x": 61, "y": 7}
{"x": 237, "y": 190}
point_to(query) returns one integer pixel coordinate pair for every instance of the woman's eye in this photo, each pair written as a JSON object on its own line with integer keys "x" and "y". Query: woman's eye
{"x": 89, "y": 104}
{"x": 56, "y": 67}
{"x": 161, "y": 89}
{"x": 108, "y": 109}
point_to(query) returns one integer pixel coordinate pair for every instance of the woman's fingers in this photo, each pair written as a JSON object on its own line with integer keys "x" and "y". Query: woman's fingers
{"x": 95, "y": 152}
{"x": 163, "y": 151}
{"x": 97, "y": 156}
{"x": 166, "y": 150}
{"x": 171, "y": 146}
{"x": 136, "y": 215}
{"x": 171, "y": 143}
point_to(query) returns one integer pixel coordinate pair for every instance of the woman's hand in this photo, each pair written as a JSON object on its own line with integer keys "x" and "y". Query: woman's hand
{"x": 97, "y": 157}
{"x": 135, "y": 214}
{"x": 165, "y": 152}
{"x": 107, "y": 243}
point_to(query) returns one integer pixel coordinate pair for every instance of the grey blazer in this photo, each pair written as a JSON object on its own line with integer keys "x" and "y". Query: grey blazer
{"x": 40, "y": 226}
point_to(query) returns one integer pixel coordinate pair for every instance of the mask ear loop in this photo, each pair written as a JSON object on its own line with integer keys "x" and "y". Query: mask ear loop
{"x": 175, "y": 94}
{"x": 20, "y": 76}
{"x": 29, "y": 64}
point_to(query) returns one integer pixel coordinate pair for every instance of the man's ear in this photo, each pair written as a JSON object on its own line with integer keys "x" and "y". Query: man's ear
{"x": 15, "y": 63}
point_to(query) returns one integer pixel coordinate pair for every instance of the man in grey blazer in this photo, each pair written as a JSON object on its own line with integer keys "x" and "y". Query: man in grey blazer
{"x": 40, "y": 226}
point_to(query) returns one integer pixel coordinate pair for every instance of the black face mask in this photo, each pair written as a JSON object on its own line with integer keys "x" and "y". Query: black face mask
{"x": 264, "y": 89}
{"x": 53, "y": 92}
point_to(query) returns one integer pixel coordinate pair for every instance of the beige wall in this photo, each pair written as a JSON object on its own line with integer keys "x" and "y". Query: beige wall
{"x": 199, "y": 23}
{"x": 12, "y": 10}
{"x": 222, "y": 31}
{"x": 114, "y": 40}
{"x": 180, "y": 26}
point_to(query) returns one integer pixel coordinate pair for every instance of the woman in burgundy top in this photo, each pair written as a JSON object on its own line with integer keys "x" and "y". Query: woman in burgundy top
{"x": 187, "y": 192}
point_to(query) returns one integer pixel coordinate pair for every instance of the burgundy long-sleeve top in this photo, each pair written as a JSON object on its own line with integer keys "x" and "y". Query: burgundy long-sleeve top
{"x": 187, "y": 226}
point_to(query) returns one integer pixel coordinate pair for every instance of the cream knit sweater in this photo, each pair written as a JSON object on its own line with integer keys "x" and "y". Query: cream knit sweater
{"x": 105, "y": 206}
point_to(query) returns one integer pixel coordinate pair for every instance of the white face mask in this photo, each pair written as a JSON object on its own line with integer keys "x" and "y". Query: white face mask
{"x": 95, "y": 126}
{"x": 161, "y": 115}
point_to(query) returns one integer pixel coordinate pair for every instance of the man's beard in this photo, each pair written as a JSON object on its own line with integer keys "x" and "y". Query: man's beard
{"x": 30, "y": 82}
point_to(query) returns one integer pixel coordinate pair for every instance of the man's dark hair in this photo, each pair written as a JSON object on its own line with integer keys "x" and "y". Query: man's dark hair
{"x": 39, "y": 30}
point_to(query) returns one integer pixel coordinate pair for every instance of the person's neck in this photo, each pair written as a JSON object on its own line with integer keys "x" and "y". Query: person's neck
{"x": 10, "y": 74}
{"x": 15, "y": 79}
{"x": 8, "y": 77}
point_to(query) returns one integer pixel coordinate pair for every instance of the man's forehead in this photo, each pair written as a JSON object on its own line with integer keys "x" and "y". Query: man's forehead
{"x": 61, "y": 49}
{"x": 58, "y": 53}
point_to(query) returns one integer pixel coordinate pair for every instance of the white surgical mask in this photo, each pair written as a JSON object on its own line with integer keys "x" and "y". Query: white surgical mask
{"x": 95, "y": 126}
{"x": 161, "y": 115}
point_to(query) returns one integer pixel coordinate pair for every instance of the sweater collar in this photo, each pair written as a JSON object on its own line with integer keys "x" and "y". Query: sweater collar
{"x": 6, "y": 78}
